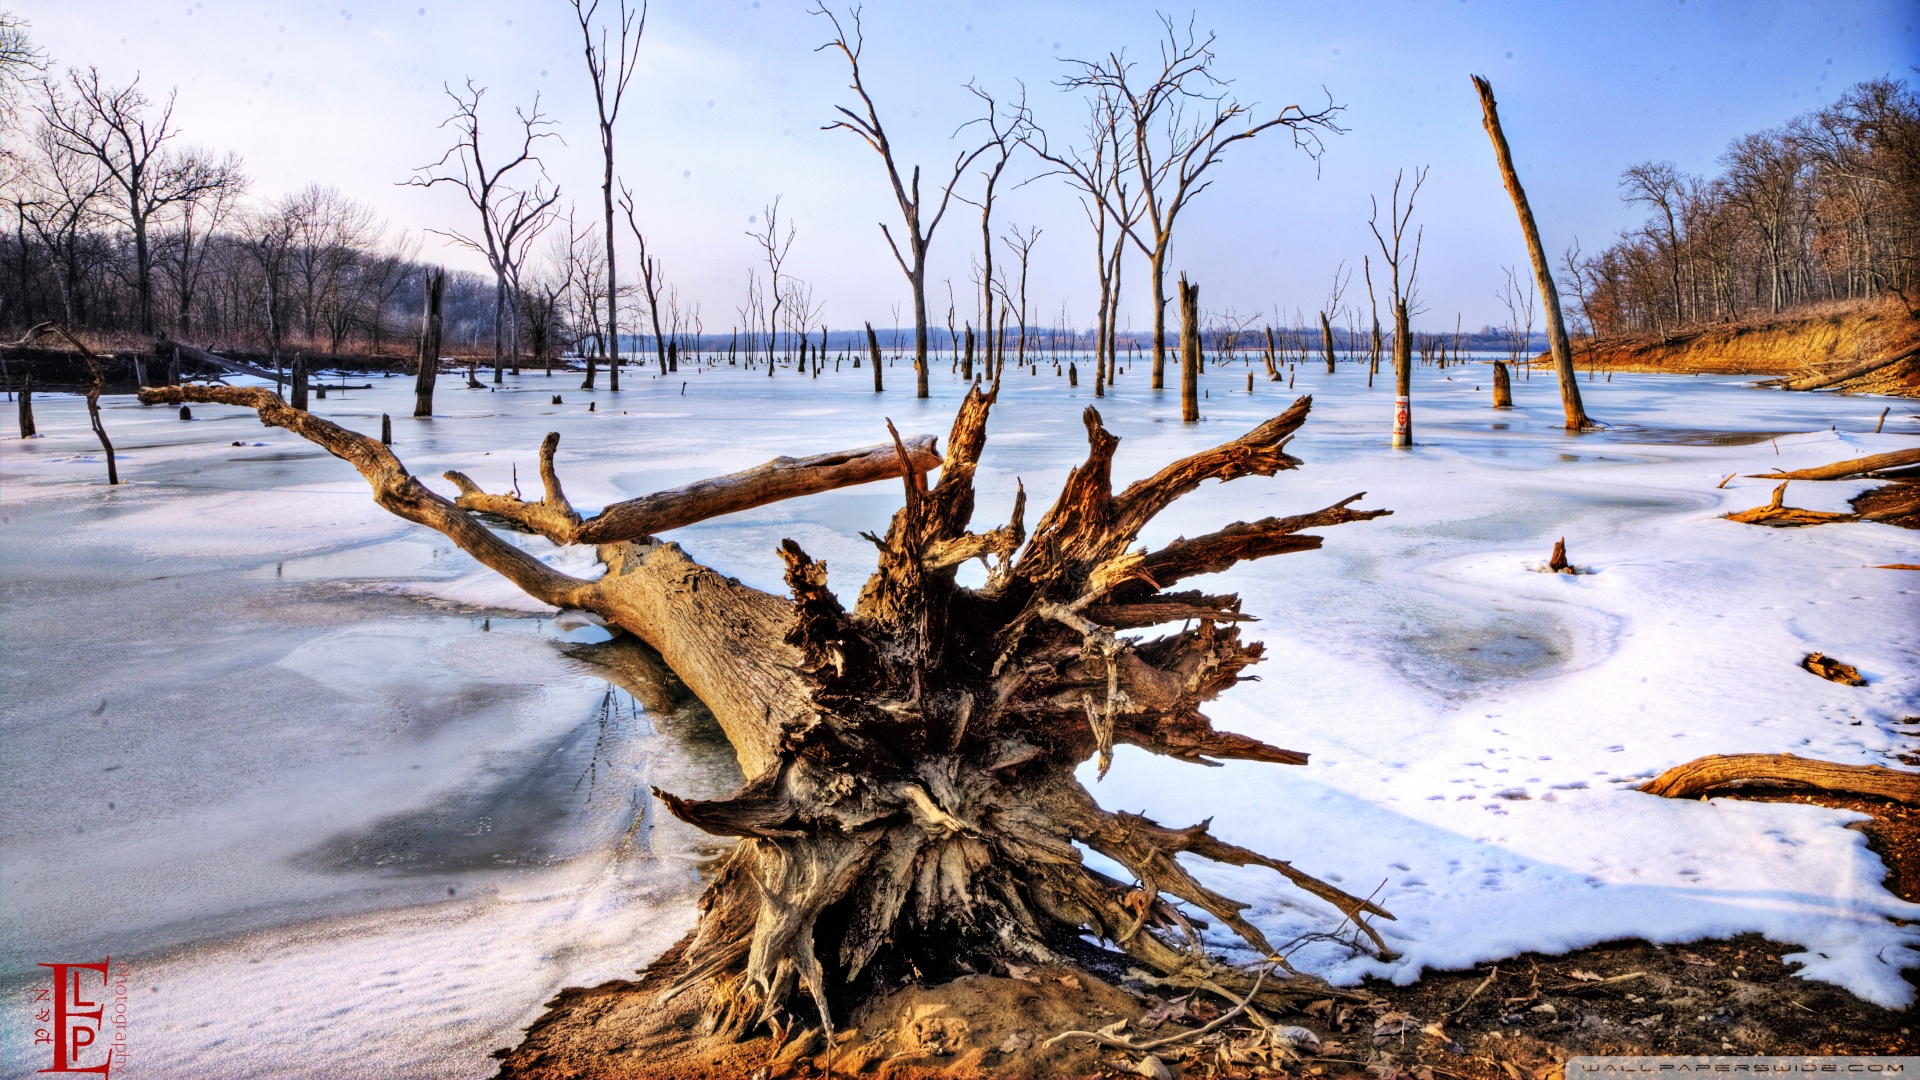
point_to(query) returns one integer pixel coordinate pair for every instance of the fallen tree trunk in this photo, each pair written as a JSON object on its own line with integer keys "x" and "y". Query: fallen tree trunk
{"x": 912, "y": 809}
{"x": 1716, "y": 771}
{"x": 188, "y": 352}
{"x": 1853, "y": 371}
{"x": 1842, "y": 470}
{"x": 1779, "y": 516}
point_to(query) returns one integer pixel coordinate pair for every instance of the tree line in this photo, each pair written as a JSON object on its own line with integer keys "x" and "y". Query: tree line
{"x": 1826, "y": 207}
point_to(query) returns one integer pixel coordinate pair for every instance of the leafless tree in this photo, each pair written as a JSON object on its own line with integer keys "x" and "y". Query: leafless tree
{"x": 1006, "y": 130}
{"x": 610, "y": 68}
{"x": 113, "y": 126}
{"x": 920, "y": 227}
{"x": 183, "y": 248}
{"x": 774, "y": 248}
{"x": 60, "y": 198}
{"x": 511, "y": 214}
{"x": 651, "y": 280}
{"x": 1179, "y": 123}
{"x": 268, "y": 238}
{"x": 1021, "y": 245}
{"x": 1403, "y": 264}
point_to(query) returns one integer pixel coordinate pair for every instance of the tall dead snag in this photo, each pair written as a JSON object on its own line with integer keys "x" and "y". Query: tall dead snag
{"x": 1719, "y": 772}
{"x": 1575, "y": 410}
{"x": 912, "y": 809}
{"x": 1397, "y": 258}
{"x": 1189, "y": 351}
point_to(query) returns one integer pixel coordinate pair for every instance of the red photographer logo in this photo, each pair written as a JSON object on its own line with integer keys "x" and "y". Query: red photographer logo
{"x": 84, "y": 1002}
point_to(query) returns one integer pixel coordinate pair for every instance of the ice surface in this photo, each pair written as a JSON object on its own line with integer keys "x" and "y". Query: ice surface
{"x": 256, "y": 728}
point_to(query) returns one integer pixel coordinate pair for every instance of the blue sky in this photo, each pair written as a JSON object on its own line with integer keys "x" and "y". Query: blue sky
{"x": 726, "y": 113}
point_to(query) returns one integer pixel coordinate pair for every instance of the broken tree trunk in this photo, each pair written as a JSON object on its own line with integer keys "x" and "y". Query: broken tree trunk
{"x": 912, "y": 808}
{"x": 1716, "y": 771}
{"x": 1326, "y": 340}
{"x": 27, "y": 428}
{"x": 1844, "y": 470}
{"x": 1570, "y": 403}
{"x": 1502, "y": 387}
{"x": 873, "y": 354}
{"x": 1189, "y": 351}
{"x": 428, "y": 366}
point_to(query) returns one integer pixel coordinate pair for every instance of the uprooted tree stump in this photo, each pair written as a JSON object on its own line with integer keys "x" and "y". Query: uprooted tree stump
{"x": 1731, "y": 771}
{"x": 912, "y": 810}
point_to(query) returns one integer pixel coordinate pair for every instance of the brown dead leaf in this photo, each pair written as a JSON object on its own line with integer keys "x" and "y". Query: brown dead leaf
{"x": 1016, "y": 1042}
{"x": 1164, "y": 1011}
{"x": 1582, "y": 976}
{"x": 1394, "y": 1023}
{"x": 1322, "y": 1008}
{"x": 1696, "y": 961}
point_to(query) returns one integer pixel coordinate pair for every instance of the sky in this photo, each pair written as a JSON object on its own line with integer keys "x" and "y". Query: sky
{"x": 726, "y": 113}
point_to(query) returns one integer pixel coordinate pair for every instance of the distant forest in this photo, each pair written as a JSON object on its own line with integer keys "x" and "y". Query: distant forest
{"x": 1825, "y": 208}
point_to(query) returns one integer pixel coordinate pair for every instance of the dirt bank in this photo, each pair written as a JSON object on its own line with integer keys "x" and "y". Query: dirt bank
{"x": 1825, "y": 338}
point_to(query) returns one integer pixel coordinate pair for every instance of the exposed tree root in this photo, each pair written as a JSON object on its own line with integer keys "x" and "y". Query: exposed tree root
{"x": 1702, "y": 775}
{"x": 912, "y": 809}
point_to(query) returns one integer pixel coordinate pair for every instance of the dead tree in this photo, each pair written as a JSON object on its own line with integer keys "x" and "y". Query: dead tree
{"x": 1502, "y": 387}
{"x": 27, "y": 427}
{"x": 1021, "y": 244}
{"x": 610, "y": 70}
{"x": 427, "y": 368}
{"x": 1189, "y": 351}
{"x": 651, "y": 279}
{"x": 873, "y": 355}
{"x": 912, "y": 808}
{"x": 774, "y": 247}
{"x": 1403, "y": 290}
{"x": 1576, "y": 413}
{"x": 1339, "y": 289}
{"x": 1004, "y": 132}
{"x": 510, "y": 216}
{"x": 866, "y": 124}
{"x": 1178, "y": 124}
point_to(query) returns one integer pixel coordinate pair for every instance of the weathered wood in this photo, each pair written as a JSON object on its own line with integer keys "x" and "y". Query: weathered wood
{"x": 777, "y": 480}
{"x": 912, "y": 803}
{"x": 1570, "y": 403}
{"x": 1832, "y": 670}
{"x": 27, "y": 428}
{"x": 1326, "y": 341}
{"x": 1189, "y": 351}
{"x": 1718, "y": 771}
{"x": 1502, "y": 387}
{"x": 427, "y": 359}
{"x": 1557, "y": 562}
{"x": 1843, "y": 470}
{"x": 873, "y": 353}
{"x": 1787, "y": 517}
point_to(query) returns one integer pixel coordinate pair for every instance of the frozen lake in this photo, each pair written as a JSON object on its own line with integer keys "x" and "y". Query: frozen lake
{"x": 348, "y": 804}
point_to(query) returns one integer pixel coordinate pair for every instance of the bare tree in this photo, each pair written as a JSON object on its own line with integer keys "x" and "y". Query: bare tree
{"x": 67, "y": 189}
{"x": 774, "y": 248}
{"x": 1575, "y": 410}
{"x": 1332, "y": 309}
{"x": 1021, "y": 244}
{"x": 183, "y": 248}
{"x": 267, "y": 238}
{"x": 651, "y": 279}
{"x": 866, "y": 124}
{"x": 112, "y": 126}
{"x": 1399, "y": 257}
{"x": 510, "y": 216}
{"x": 610, "y": 68}
{"x": 1180, "y": 123}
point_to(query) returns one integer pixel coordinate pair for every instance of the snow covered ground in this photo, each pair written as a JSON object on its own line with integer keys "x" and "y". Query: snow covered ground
{"x": 350, "y": 805}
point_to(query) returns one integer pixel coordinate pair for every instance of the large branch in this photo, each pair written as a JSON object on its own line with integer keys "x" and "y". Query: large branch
{"x": 393, "y": 487}
{"x": 1715, "y": 771}
{"x": 778, "y": 480}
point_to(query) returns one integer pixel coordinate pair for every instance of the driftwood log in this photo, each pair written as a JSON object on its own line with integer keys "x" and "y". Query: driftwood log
{"x": 912, "y": 808}
{"x": 1851, "y": 371}
{"x": 1780, "y": 516}
{"x": 1846, "y": 470}
{"x": 1720, "y": 771}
